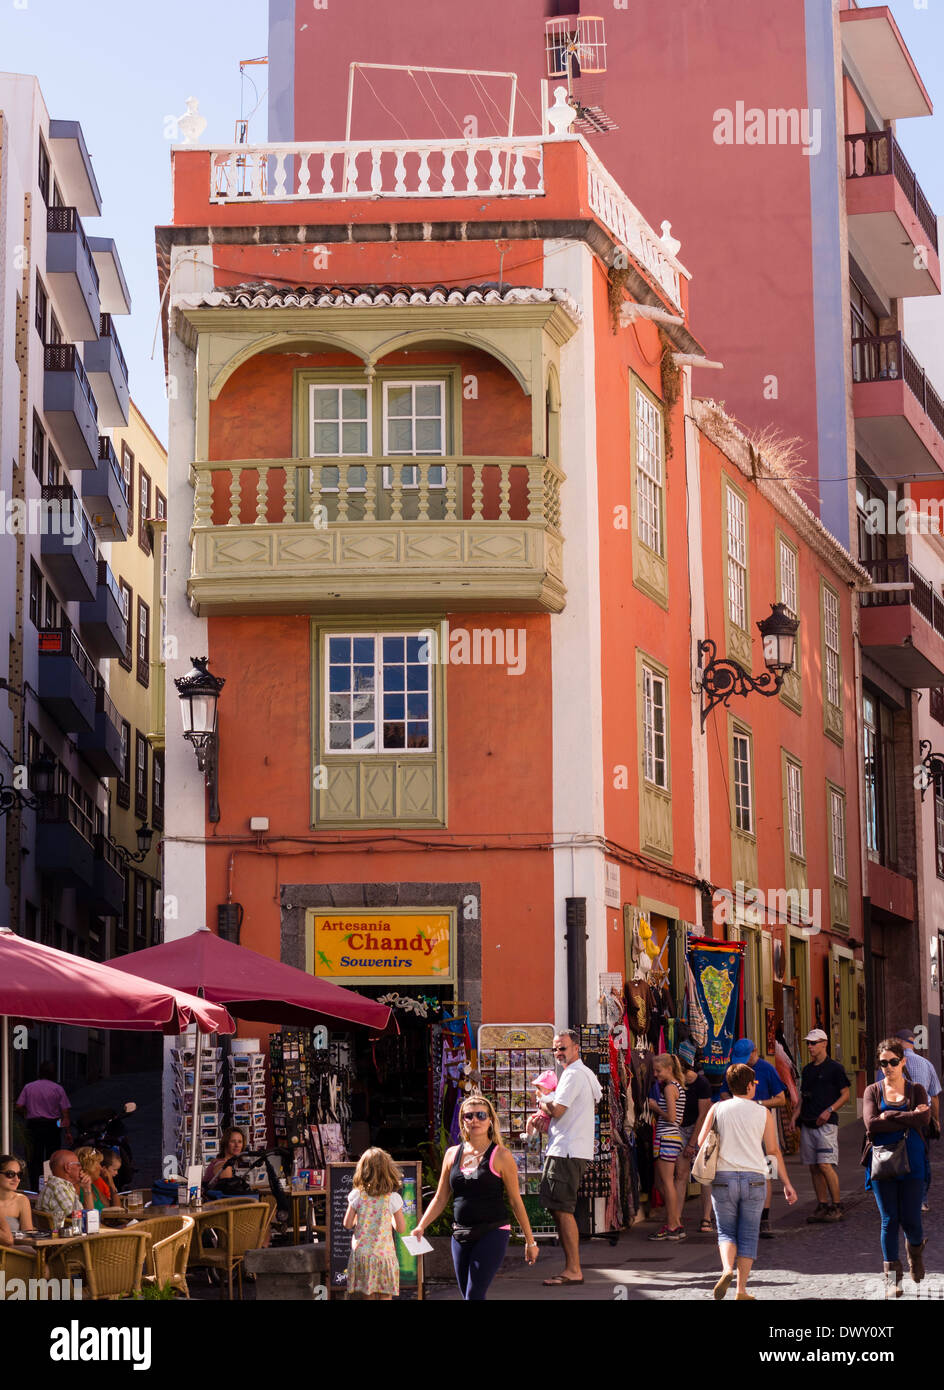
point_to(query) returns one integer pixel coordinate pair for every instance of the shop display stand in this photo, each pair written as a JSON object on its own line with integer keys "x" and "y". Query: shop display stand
{"x": 247, "y": 1090}
{"x": 595, "y": 1054}
{"x": 208, "y": 1109}
{"x": 506, "y": 1076}
{"x": 306, "y": 1081}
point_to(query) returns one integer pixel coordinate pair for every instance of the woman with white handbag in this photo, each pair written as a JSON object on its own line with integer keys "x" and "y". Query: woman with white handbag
{"x": 896, "y": 1115}
{"x": 733, "y": 1139}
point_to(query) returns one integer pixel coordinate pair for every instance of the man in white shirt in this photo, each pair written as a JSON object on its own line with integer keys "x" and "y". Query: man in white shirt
{"x": 569, "y": 1150}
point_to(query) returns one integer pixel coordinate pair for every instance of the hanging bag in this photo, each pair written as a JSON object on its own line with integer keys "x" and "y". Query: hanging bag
{"x": 890, "y": 1160}
{"x": 706, "y": 1160}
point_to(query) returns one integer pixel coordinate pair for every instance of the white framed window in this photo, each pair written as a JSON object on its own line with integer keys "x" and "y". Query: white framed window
{"x": 795, "y": 808}
{"x": 831, "y": 645}
{"x": 837, "y": 826}
{"x": 649, "y": 473}
{"x": 737, "y": 558}
{"x": 653, "y": 718}
{"x": 788, "y": 577}
{"x": 378, "y": 693}
{"x": 339, "y": 420}
{"x": 339, "y": 426}
{"x": 414, "y": 425}
{"x": 743, "y": 802}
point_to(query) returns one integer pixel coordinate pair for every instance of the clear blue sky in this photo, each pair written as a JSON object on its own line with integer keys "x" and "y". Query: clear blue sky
{"x": 120, "y": 67}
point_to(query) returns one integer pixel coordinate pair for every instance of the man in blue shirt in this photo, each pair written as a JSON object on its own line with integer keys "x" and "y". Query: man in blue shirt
{"x": 920, "y": 1070}
{"x": 770, "y": 1093}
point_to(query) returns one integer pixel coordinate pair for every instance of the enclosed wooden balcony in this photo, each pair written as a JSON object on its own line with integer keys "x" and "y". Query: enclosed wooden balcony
{"x": 301, "y": 535}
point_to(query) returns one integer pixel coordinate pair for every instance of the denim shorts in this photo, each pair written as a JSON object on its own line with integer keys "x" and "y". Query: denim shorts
{"x": 738, "y": 1201}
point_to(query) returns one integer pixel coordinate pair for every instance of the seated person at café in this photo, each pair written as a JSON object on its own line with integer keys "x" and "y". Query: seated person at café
{"x": 91, "y": 1164}
{"x": 16, "y": 1214}
{"x": 107, "y": 1181}
{"x": 67, "y": 1184}
{"x": 224, "y": 1166}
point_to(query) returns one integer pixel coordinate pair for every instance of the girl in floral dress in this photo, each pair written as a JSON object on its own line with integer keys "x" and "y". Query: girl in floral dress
{"x": 374, "y": 1209}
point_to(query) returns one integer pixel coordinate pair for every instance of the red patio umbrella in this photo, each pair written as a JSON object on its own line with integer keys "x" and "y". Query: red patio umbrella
{"x": 252, "y": 986}
{"x": 49, "y": 986}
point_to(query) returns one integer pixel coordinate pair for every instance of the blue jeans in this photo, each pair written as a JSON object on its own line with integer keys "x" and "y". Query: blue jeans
{"x": 477, "y": 1262}
{"x": 738, "y": 1201}
{"x": 899, "y": 1204}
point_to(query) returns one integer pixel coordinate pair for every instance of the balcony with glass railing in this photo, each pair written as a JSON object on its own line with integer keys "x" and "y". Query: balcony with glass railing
{"x": 67, "y": 543}
{"x": 71, "y": 276}
{"x": 70, "y": 406}
{"x": 102, "y": 617}
{"x": 68, "y": 680}
{"x": 107, "y": 371}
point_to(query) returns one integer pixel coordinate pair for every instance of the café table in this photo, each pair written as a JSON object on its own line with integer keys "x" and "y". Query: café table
{"x": 300, "y": 1198}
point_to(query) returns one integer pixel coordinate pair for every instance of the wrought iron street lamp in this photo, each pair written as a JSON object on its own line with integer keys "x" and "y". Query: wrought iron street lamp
{"x": 930, "y": 769}
{"x": 720, "y": 679}
{"x": 145, "y": 836}
{"x": 43, "y": 778}
{"x": 199, "y": 693}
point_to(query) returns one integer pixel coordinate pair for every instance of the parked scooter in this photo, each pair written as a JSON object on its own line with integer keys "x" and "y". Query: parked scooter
{"x": 105, "y": 1129}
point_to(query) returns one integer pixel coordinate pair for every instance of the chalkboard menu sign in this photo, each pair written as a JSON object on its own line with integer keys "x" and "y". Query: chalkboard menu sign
{"x": 338, "y": 1182}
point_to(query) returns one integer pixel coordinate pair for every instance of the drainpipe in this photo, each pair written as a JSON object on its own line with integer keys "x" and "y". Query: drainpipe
{"x": 576, "y": 961}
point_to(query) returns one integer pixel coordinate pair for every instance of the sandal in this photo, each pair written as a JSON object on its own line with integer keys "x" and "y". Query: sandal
{"x": 557, "y": 1281}
{"x": 707, "y": 1228}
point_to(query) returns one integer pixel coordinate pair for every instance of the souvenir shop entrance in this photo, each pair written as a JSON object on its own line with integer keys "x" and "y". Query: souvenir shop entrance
{"x": 395, "y": 1089}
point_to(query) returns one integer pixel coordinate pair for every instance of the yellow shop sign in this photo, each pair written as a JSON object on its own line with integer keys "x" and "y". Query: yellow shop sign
{"x": 352, "y": 946}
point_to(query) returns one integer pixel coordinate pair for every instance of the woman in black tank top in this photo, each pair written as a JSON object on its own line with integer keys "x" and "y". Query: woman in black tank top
{"x": 479, "y": 1174}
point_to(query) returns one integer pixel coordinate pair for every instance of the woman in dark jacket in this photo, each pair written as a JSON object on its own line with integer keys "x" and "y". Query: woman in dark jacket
{"x": 894, "y": 1109}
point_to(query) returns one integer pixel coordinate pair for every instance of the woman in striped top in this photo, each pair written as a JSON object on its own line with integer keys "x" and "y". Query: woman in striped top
{"x": 668, "y": 1140}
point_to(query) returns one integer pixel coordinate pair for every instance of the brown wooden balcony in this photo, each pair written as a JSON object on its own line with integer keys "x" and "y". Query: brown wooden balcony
{"x": 302, "y": 535}
{"x": 903, "y": 629}
{"x": 890, "y": 217}
{"x": 898, "y": 413}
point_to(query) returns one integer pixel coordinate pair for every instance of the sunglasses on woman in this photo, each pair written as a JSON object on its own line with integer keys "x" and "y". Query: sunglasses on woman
{"x": 475, "y": 1115}
{"x": 10, "y": 1173}
{"x": 886, "y": 1062}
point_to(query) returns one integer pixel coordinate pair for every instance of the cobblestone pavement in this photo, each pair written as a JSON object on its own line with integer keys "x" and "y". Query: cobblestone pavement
{"x": 838, "y": 1261}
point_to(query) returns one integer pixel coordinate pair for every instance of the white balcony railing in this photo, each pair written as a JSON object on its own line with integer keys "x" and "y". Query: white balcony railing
{"x": 625, "y": 221}
{"x": 381, "y": 169}
{"x": 509, "y": 167}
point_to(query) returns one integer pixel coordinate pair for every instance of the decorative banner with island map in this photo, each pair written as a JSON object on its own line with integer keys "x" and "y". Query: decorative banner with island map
{"x": 717, "y": 969}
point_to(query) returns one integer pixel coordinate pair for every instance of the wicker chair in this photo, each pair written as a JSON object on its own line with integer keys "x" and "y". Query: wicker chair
{"x": 159, "y": 1227}
{"x": 170, "y": 1248}
{"x": 240, "y": 1227}
{"x": 109, "y": 1264}
{"x": 43, "y": 1221}
{"x": 19, "y": 1264}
